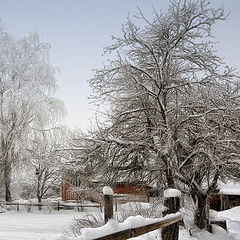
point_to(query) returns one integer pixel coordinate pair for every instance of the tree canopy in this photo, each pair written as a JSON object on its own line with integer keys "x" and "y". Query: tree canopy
{"x": 27, "y": 86}
{"x": 174, "y": 103}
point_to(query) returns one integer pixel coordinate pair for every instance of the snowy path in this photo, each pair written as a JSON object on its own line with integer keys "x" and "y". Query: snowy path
{"x": 34, "y": 226}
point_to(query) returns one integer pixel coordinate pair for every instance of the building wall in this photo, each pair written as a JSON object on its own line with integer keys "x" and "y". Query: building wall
{"x": 66, "y": 193}
{"x": 230, "y": 201}
{"x": 131, "y": 192}
{"x": 127, "y": 188}
{"x": 125, "y": 191}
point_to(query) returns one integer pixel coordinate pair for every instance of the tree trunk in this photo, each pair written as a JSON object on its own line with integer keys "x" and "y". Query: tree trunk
{"x": 39, "y": 201}
{"x": 7, "y": 181}
{"x": 170, "y": 178}
{"x": 201, "y": 214}
{"x": 39, "y": 192}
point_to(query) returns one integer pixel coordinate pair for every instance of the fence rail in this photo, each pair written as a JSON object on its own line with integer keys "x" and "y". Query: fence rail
{"x": 135, "y": 232}
{"x": 57, "y": 205}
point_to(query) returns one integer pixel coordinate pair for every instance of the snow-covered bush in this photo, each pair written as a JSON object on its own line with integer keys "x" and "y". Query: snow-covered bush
{"x": 89, "y": 221}
{"x": 147, "y": 210}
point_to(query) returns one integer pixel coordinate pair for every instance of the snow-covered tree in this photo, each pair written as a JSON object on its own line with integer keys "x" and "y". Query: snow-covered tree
{"x": 27, "y": 86}
{"x": 45, "y": 161}
{"x": 174, "y": 103}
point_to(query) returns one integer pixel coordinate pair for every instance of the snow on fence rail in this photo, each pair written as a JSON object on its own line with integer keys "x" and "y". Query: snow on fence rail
{"x": 138, "y": 231}
{"x": 57, "y": 205}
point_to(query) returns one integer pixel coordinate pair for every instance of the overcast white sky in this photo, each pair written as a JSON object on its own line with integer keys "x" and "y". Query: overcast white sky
{"x": 79, "y": 29}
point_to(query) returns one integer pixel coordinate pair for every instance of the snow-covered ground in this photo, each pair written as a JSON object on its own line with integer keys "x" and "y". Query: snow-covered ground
{"x": 34, "y": 226}
{"x": 232, "y": 216}
{"x": 50, "y": 226}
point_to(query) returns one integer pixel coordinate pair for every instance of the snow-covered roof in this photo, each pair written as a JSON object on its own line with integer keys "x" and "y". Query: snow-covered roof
{"x": 230, "y": 189}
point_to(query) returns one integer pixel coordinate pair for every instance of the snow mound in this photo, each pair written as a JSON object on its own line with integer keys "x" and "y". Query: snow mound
{"x": 171, "y": 192}
{"x": 230, "y": 214}
{"x": 107, "y": 191}
{"x": 217, "y": 234}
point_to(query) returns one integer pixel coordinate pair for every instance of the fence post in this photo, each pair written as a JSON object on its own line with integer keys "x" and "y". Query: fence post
{"x": 171, "y": 205}
{"x": 108, "y": 203}
{"x": 116, "y": 205}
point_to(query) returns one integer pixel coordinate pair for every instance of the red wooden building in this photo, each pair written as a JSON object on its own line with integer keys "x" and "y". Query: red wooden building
{"x": 76, "y": 190}
{"x": 125, "y": 191}
{"x": 67, "y": 194}
{"x": 132, "y": 191}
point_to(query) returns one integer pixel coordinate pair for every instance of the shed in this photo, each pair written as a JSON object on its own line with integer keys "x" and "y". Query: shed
{"x": 230, "y": 195}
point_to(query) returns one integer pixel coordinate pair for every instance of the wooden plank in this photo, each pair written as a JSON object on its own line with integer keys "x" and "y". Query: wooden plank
{"x": 51, "y": 204}
{"x": 221, "y": 223}
{"x": 122, "y": 235}
{"x": 135, "y": 232}
{"x": 81, "y": 205}
{"x": 154, "y": 226}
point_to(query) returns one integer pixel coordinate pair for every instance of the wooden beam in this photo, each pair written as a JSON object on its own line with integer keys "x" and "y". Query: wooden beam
{"x": 135, "y": 232}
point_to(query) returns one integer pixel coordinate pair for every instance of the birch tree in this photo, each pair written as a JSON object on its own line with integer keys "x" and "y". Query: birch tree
{"x": 174, "y": 103}
{"x": 27, "y": 86}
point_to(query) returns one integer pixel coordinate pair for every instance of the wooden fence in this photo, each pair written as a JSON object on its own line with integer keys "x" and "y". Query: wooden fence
{"x": 56, "y": 205}
{"x": 170, "y": 226}
{"x": 135, "y": 232}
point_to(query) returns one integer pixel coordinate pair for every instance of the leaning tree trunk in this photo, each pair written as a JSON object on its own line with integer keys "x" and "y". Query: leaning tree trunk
{"x": 200, "y": 219}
